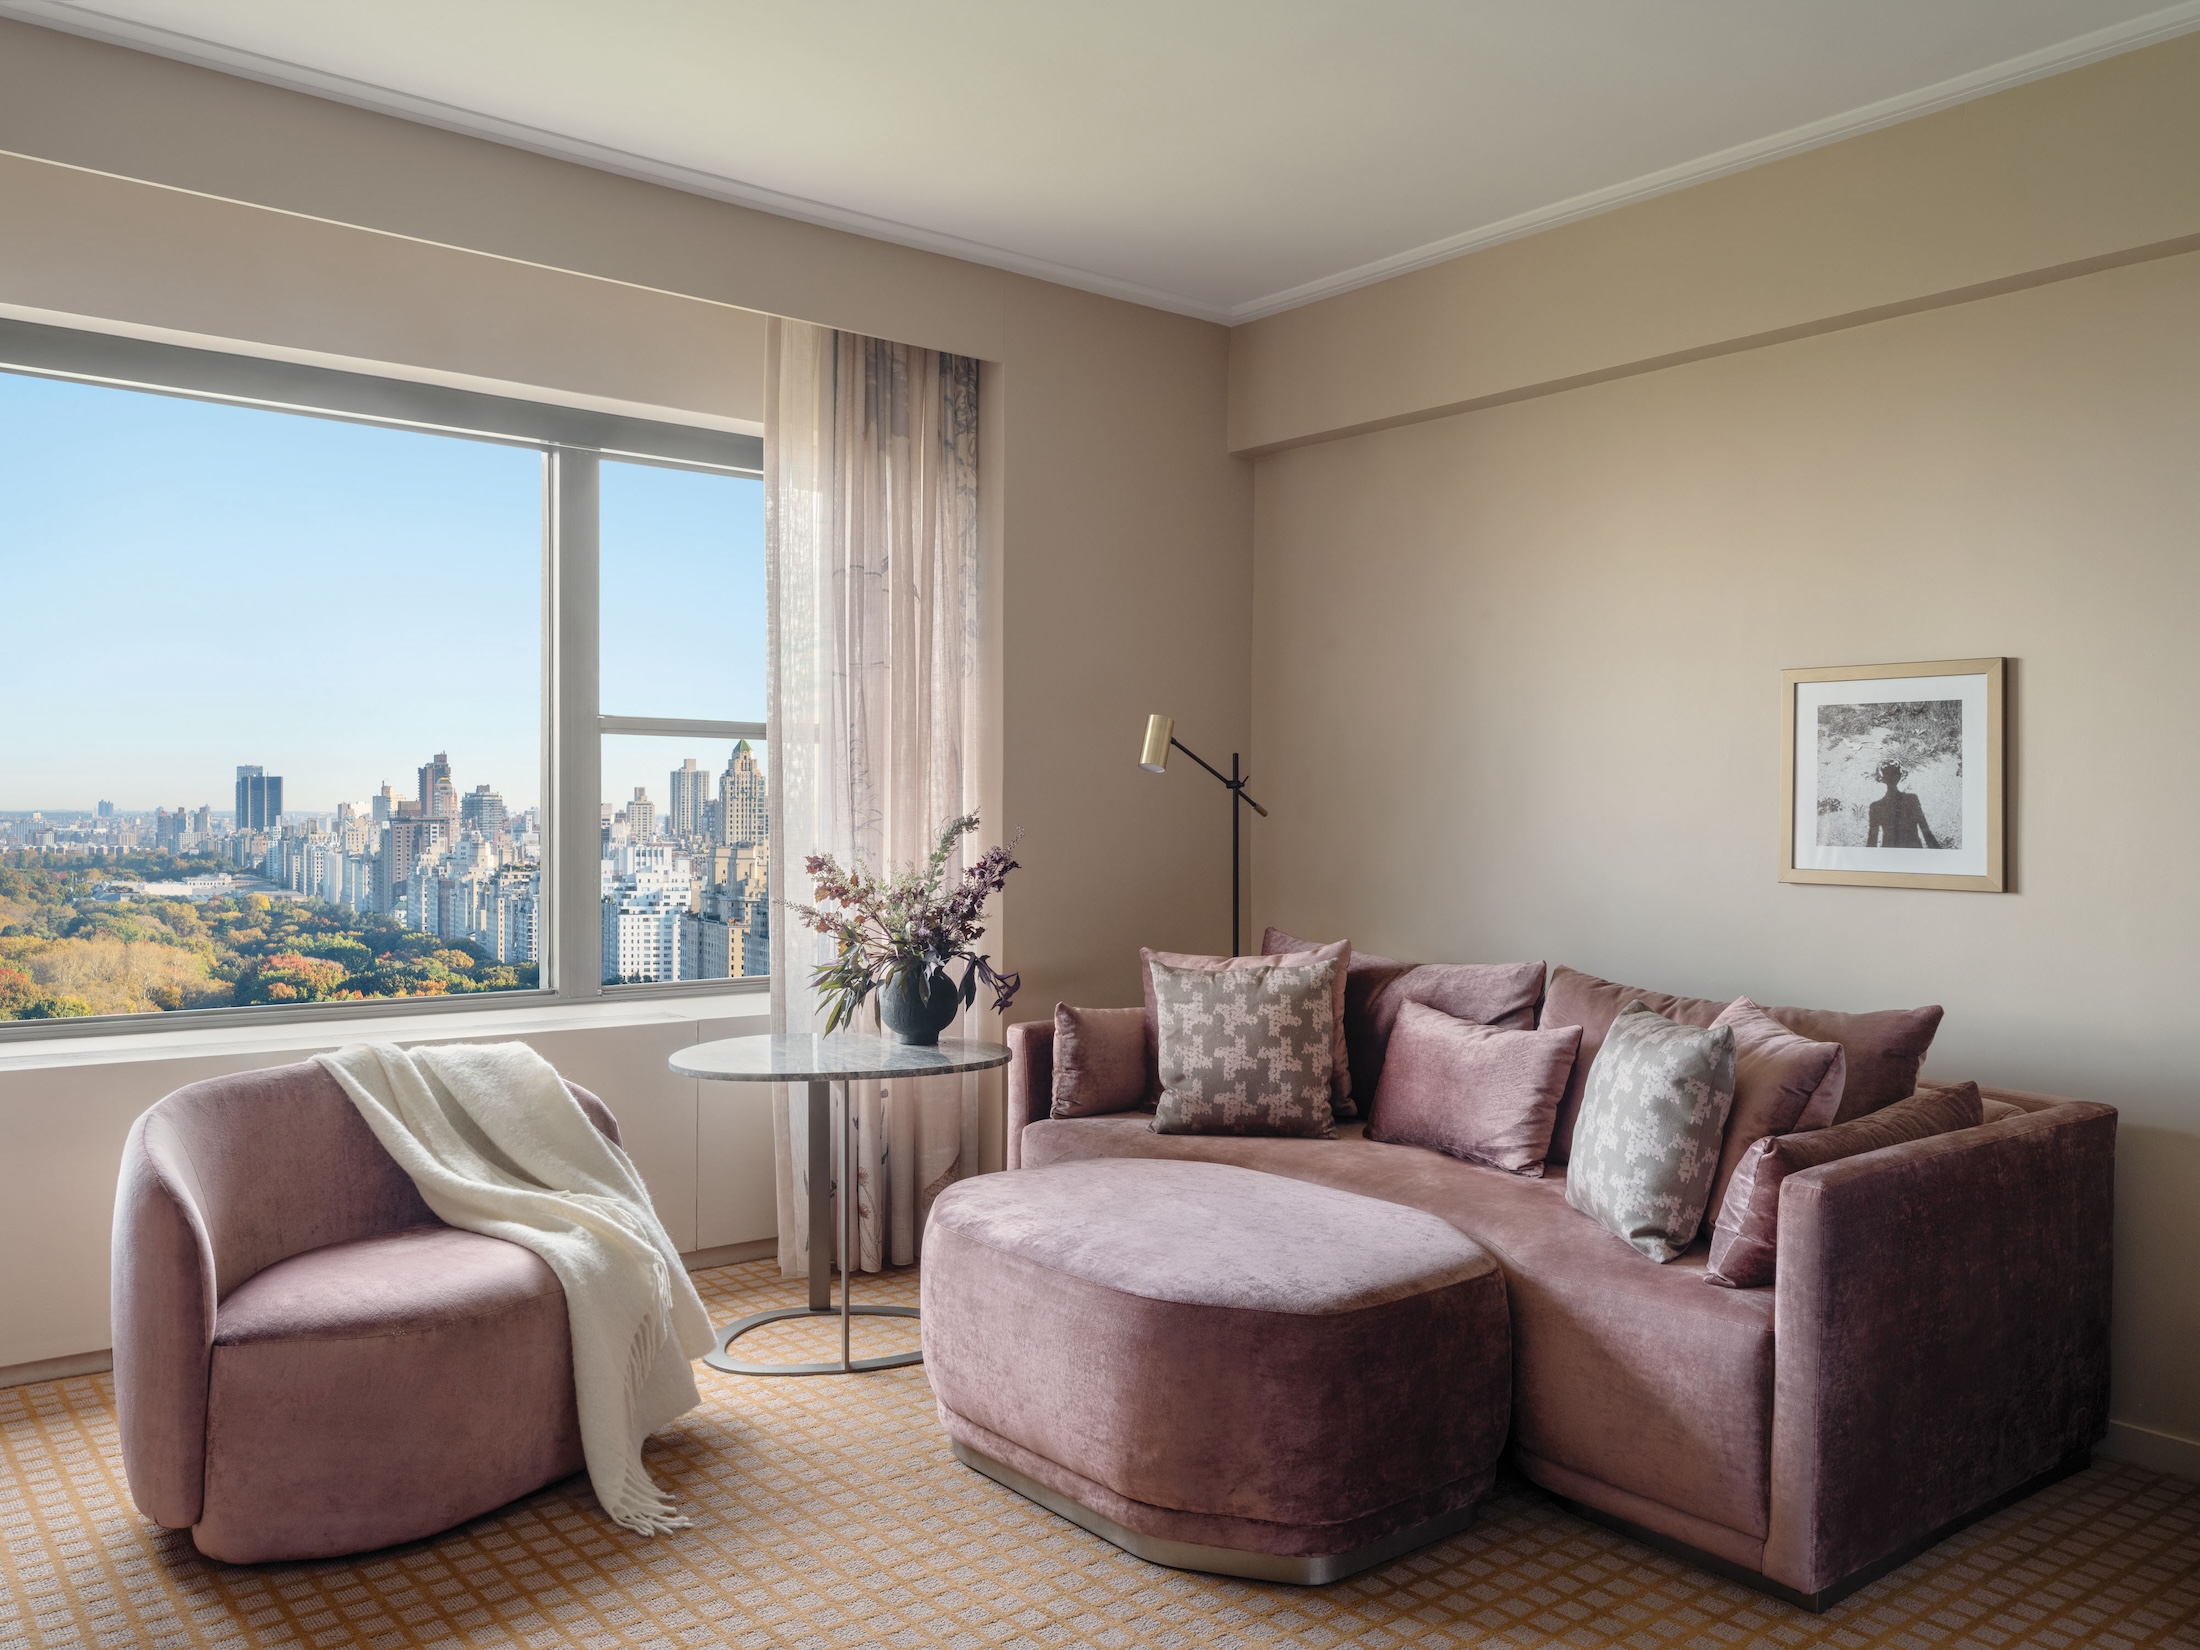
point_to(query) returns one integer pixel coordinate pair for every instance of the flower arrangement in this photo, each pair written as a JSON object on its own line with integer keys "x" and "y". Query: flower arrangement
{"x": 904, "y": 929}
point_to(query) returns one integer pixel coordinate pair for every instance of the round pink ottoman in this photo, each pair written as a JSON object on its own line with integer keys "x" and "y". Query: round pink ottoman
{"x": 1218, "y": 1369}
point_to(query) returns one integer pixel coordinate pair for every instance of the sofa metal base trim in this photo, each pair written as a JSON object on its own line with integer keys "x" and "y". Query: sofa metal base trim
{"x": 1315, "y": 1571}
{"x": 1834, "y": 1592}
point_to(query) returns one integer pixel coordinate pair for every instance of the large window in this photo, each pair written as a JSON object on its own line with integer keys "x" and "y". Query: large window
{"x": 686, "y": 829}
{"x": 304, "y": 700}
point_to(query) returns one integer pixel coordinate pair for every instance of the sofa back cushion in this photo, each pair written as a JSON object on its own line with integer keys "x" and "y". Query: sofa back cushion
{"x": 1246, "y": 1050}
{"x": 1782, "y": 1084}
{"x": 1099, "y": 1060}
{"x": 1651, "y": 1124}
{"x": 1495, "y": 994}
{"x": 1884, "y": 1048}
{"x": 1744, "y": 1238}
{"x": 1340, "y": 1077}
{"x": 1472, "y": 1091}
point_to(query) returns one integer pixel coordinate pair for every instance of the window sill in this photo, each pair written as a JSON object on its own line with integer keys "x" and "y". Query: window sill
{"x": 198, "y": 1042}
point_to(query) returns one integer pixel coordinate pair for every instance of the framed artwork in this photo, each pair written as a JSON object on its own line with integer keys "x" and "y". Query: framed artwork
{"x": 1893, "y": 775}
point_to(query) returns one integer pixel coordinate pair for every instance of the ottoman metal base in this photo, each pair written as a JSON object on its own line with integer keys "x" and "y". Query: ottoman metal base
{"x": 1316, "y": 1571}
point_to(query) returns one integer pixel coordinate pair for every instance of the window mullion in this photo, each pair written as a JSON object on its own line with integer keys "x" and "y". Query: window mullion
{"x": 575, "y": 949}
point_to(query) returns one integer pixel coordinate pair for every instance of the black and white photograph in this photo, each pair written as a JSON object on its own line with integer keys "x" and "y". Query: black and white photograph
{"x": 1894, "y": 774}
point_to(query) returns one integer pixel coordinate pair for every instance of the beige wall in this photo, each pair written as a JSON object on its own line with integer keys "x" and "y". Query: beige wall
{"x": 2097, "y": 165}
{"x": 152, "y": 197}
{"x": 1516, "y": 696}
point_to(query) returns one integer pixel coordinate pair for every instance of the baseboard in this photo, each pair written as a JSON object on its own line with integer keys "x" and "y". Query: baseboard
{"x": 57, "y": 1369}
{"x": 2162, "y": 1452}
{"x": 730, "y": 1254}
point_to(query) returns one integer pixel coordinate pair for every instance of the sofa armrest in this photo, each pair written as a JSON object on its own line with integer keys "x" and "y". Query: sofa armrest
{"x": 1941, "y": 1317}
{"x": 163, "y": 1299}
{"x": 1030, "y": 1081}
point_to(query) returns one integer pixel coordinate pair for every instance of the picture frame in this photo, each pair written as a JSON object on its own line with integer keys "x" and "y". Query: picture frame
{"x": 1892, "y": 775}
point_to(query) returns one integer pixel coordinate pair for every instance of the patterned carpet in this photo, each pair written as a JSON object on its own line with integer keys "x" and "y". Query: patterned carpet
{"x": 829, "y": 1514}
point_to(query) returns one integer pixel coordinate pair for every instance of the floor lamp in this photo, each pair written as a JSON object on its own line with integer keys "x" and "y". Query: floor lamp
{"x": 1160, "y": 736}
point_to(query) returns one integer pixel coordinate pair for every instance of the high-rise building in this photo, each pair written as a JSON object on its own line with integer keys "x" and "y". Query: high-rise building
{"x": 742, "y": 812}
{"x": 408, "y": 840}
{"x": 106, "y": 810}
{"x": 481, "y": 811}
{"x": 202, "y": 824}
{"x": 690, "y": 787}
{"x": 645, "y": 898}
{"x": 641, "y": 817}
{"x": 259, "y": 799}
{"x": 438, "y": 796}
{"x": 385, "y": 805}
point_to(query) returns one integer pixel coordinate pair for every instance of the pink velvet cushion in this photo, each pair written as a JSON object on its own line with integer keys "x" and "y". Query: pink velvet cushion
{"x": 1496, "y": 994}
{"x": 1099, "y": 1060}
{"x": 1783, "y": 1084}
{"x": 1884, "y": 1047}
{"x": 1340, "y": 1074}
{"x": 1472, "y": 1091}
{"x": 1744, "y": 1241}
{"x": 377, "y": 1391}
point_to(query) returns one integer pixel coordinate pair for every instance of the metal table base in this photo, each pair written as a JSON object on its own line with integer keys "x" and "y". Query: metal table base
{"x": 821, "y": 1257}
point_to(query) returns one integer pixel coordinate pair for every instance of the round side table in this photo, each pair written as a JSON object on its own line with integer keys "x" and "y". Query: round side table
{"x": 822, "y": 1062}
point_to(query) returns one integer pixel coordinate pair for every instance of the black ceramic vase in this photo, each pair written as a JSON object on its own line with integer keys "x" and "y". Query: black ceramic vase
{"x": 913, "y": 1017}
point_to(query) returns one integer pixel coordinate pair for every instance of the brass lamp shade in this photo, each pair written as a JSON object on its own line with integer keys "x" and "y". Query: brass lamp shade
{"x": 1159, "y": 730}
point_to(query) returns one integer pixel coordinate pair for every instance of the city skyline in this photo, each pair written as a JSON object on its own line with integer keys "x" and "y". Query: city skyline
{"x": 333, "y": 595}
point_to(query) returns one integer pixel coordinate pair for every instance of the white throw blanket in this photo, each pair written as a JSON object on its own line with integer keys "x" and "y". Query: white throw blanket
{"x": 497, "y": 1144}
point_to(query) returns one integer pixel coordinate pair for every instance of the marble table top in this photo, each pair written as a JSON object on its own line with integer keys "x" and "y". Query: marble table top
{"x": 844, "y": 1055}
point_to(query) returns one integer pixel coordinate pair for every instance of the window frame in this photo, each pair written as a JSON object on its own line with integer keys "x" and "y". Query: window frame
{"x": 573, "y": 442}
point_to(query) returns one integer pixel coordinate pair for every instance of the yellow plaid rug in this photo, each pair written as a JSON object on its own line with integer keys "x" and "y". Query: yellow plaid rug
{"x": 828, "y": 1513}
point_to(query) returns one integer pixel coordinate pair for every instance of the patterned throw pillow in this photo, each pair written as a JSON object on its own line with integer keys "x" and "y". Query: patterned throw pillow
{"x": 1246, "y": 1050}
{"x": 1652, "y": 1119}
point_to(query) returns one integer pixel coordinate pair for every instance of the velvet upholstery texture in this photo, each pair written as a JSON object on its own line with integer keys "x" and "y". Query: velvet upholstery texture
{"x": 1883, "y": 1048}
{"x": 1942, "y": 1317}
{"x": 1496, "y": 994}
{"x": 1340, "y": 1074}
{"x": 239, "y": 1198}
{"x": 1624, "y": 1371}
{"x": 1942, "y": 1311}
{"x": 1472, "y": 1091}
{"x": 1099, "y": 1060}
{"x": 1783, "y": 1084}
{"x": 1208, "y": 1354}
{"x": 1744, "y": 1242}
{"x": 1030, "y": 1081}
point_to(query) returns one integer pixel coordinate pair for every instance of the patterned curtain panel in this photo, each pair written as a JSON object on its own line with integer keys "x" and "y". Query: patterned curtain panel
{"x": 871, "y": 557}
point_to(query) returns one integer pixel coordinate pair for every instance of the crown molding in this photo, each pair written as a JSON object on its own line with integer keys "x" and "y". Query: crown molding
{"x": 2157, "y": 26}
{"x": 71, "y": 18}
{"x": 296, "y": 77}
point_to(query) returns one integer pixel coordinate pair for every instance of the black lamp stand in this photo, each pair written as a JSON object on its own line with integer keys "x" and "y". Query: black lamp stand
{"x": 1234, "y": 782}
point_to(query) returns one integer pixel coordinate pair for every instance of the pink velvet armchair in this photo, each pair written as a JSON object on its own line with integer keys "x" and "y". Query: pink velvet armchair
{"x": 307, "y": 1361}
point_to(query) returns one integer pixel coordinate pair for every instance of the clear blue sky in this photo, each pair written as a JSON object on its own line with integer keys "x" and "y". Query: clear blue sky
{"x": 191, "y": 586}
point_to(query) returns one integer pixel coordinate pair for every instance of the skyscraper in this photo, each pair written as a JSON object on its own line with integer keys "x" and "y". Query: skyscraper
{"x": 438, "y": 796}
{"x": 481, "y": 811}
{"x": 259, "y": 799}
{"x": 385, "y": 805}
{"x": 641, "y": 817}
{"x": 742, "y": 812}
{"x": 690, "y": 787}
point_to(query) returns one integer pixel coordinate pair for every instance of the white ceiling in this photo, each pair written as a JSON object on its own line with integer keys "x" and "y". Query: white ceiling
{"x": 1224, "y": 158}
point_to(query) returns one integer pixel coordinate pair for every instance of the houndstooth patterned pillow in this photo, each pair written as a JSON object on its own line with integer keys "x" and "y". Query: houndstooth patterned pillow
{"x": 1246, "y": 1050}
{"x": 1652, "y": 1120}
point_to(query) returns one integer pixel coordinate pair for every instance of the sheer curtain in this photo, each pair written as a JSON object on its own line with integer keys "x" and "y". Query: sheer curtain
{"x": 871, "y": 560}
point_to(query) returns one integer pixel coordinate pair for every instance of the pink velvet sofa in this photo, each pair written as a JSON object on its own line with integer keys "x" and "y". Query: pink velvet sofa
{"x": 1934, "y": 1345}
{"x": 307, "y": 1361}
